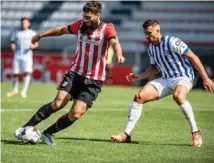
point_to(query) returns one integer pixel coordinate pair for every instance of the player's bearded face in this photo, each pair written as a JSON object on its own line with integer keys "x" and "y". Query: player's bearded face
{"x": 89, "y": 25}
{"x": 151, "y": 34}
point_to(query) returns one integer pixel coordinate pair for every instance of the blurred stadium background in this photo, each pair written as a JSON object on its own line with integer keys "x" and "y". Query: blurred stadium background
{"x": 193, "y": 22}
{"x": 161, "y": 134}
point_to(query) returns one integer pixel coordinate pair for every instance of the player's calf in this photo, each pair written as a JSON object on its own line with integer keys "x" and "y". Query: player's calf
{"x": 43, "y": 113}
{"x": 77, "y": 110}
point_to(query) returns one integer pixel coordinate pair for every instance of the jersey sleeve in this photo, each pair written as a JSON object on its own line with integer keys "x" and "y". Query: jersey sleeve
{"x": 110, "y": 31}
{"x": 151, "y": 57}
{"x": 179, "y": 46}
{"x": 74, "y": 27}
{"x": 13, "y": 37}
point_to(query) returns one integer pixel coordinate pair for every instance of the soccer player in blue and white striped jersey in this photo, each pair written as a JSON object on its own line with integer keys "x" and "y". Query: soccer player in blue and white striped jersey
{"x": 23, "y": 56}
{"x": 173, "y": 59}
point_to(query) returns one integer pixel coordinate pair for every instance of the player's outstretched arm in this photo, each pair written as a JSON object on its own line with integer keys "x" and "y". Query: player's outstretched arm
{"x": 117, "y": 50}
{"x": 150, "y": 72}
{"x": 208, "y": 83}
{"x": 58, "y": 31}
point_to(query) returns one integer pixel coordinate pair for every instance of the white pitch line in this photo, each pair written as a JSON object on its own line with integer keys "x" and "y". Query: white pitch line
{"x": 102, "y": 109}
{"x": 16, "y": 110}
{"x": 24, "y": 101}
{"x": 44, "y": 102}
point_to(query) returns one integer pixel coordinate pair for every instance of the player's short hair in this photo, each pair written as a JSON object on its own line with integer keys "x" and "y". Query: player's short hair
{"x": 92, "y": 6}
{"x": 24, "y": 18}
{"x": 150, "y": 22}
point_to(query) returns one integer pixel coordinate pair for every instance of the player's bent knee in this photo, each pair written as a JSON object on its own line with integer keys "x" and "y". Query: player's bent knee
{"x": 77, "y": 116}
{"x": 27, "y": 74}
{"x": 76, "y": 113}
{"x": 74, "y": 116}
{"x": 139, "y": 98}
{"x": 56, "y": 105}
{"x": 179, "y": 98}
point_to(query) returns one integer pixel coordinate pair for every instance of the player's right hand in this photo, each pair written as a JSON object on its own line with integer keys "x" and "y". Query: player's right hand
{"x": 208, "y": 85}
{"x": 120, "y": 59}
{"x": 132, "y": 77}
{"x": 35, "y": 38}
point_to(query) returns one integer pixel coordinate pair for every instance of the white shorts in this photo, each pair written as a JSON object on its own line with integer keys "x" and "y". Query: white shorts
{"x": 165, "y": 87}
{"x": 21, "y": 65}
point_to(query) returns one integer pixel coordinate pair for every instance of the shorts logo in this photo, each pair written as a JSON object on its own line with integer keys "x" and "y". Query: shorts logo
{"x": 64, "y": 84}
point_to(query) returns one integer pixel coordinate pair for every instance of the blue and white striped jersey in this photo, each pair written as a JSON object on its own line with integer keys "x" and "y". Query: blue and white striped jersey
{"x": 169, "y": 57}
{"x": 22, "y": 39}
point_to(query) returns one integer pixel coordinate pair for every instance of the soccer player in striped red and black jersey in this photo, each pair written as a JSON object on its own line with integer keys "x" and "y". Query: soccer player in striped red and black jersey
{"x": 84, "y": 80}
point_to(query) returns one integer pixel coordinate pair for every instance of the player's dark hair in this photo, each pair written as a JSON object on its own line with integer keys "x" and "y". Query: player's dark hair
{"x": 150, "y": 22}
{"x": 24, "y": 18}
{"x": 92, "y": 6}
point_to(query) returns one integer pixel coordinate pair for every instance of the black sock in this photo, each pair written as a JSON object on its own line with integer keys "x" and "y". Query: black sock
{"x": 62, "y": 123}
{"x": 43, "y": 113}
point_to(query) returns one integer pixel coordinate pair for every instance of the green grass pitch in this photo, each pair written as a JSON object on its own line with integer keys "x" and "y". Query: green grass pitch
{"x": 161, "y": 135}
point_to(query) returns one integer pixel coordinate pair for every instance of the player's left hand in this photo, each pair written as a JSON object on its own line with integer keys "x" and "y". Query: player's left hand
{"x": 120, "y": 59}
{"x": 208, "y": 85}
{"x": 35, "y": 38}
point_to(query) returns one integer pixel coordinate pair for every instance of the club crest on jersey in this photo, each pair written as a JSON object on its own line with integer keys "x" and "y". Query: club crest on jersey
{"x": 96, "y": 34}
{"x": 84, "y": 38}
{"x": 64, "y": 83}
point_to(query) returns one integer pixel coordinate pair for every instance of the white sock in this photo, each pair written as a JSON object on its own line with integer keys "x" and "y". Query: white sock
{"x": 16, "y": 84}
{"x": 134, "y": 114}
{"x": 187, "y": 111}
{"x": 26, "y": 83}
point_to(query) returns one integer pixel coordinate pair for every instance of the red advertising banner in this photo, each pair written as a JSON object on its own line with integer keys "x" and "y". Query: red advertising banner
{"x": 51, "y": 67}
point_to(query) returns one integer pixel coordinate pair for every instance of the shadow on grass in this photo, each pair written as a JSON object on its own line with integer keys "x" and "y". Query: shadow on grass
{"x": 17, "y": 142}
{"x": 147, "y": 143}
{"x": 133, "y": 142}
{"x": 14, "y": 142}
{"x": 92, "y": 139}
{"x": 163, "y": 144}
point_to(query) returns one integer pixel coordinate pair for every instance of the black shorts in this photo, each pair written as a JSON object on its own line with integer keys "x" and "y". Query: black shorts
{"x": 81, "y": 88}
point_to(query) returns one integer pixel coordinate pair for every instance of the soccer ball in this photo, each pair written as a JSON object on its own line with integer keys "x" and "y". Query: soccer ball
{"x": 30, "y": 135}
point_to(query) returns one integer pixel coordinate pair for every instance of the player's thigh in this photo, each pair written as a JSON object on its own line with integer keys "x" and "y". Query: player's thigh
{"x": 181, "y": 87}
{"x": 160, "y": 87}
{"x": 61, "y": 99}
{"x": 146, "y": 94}
{"x": 77, "y": 110}
{"x": 66, "y": 90}
{"x": 180, "y": 91}
{"x": 16, "y": 66}
{"x": 69, "y": 83}
{"x": 183, "y": 82}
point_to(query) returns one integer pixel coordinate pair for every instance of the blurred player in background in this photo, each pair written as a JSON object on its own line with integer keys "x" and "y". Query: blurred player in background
{"x": 84, "y": 80}
{"x": 23, "y": 56}
{"x": 172, "y": 58}
{"x": 109, "y": 66}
